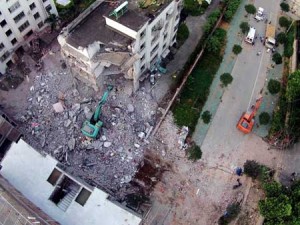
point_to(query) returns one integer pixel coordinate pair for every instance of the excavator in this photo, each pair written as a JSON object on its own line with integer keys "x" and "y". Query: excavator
{"x": 246, "y": 121}
{"x": 90, "y": 128}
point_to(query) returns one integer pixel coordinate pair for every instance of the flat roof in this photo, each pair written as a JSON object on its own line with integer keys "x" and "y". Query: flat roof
{"x": 93, "y": 28}
{"x": 27, "y": 170}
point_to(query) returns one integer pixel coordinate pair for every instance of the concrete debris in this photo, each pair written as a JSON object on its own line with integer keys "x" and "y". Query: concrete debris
{"x": 75, "y": 107}
{"x": 88, "y": 113}
{"x": 58, "y": 107}
{"x": 107, "y": 144}
{"x": 103, "y": 138}
{"x": 137, "y": 145}
{"x": 67, "y": 123}
{"x": 130, "y": 108}
{"x": 182, "y": 136}
{"x": 71, "y": 143}
{"x": 141, "y": 135}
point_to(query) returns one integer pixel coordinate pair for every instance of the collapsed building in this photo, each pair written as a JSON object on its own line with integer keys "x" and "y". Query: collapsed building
{"x": 127, "y": 38}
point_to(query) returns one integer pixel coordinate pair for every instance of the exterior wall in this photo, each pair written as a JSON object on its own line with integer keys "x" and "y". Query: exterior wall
{"x": 121, "y": 28}
{"x": 28, "y": 171}
{"x": 35, "y": 24}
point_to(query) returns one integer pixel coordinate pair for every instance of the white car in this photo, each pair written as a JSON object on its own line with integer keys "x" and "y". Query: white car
{"x": 260, "y": 14}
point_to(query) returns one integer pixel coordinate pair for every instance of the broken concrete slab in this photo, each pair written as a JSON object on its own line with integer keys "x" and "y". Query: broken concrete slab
{"x": 71, "y": 143}
{"x": 58, "y": 107}
{"x": 107, "y": 144}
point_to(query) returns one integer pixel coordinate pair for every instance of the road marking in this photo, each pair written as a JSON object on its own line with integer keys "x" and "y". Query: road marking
{"x": 262, "y": 56}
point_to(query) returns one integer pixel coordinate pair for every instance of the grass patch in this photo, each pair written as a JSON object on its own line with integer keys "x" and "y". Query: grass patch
{"x": 187, "y": 111}
{"x": 182, "y": 34}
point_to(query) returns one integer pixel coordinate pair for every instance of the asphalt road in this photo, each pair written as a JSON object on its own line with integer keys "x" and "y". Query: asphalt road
{"x": 224, "y": 144}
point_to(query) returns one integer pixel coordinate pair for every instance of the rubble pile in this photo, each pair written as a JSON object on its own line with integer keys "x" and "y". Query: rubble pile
{"x": 58, "y": 107}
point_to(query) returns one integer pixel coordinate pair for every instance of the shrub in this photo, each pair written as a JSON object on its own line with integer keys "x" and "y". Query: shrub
{"x": 284, "y": 22}
{"x": 226, "y": 79}
{"x": 232, "y": 6}
{"x": 237, "y": 49}
{"x": 252, "y": 168}
{"x": 215, "y": 43}
{"x": 194, "y": 153}
{"x": 277, "y": 58}
{"x": 264, "y": 118}
{"x": 250, "y": 8}
{"x": 244, "y": 27}
{"x": 192, "y": 7}
{"x": 281, "y": 38}
{"x": 275, "y": 207}
{"x": 285, "y": 7}
{"x": 274, "y": 86}
{"x": 211, "y": 21}
{"x": 182, "y": 34}
{"x": 206, "y": 117}
{"x": 288, "y": 45}
{"x": 272, "y": 189}
{"x": 232, "y": 211}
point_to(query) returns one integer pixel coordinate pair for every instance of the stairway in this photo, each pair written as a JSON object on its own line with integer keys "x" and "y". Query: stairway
{"x": 67, "y": 200}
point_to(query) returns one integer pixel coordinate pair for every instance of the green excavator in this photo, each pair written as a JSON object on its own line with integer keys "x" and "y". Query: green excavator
{"x": 90, "y": 128}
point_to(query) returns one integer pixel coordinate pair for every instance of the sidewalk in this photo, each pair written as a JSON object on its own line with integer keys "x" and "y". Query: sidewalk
{"x": 229, "y": 59}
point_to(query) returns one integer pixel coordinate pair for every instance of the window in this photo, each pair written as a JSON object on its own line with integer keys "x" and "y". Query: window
{"x": 143, "y": 58}
{"x": 143, "y": 67}
{"x": 44, "y": 0}
{"x": 175, "y": 28}
{"x": 40, "y": 24}
{"x": 32, "y": 6}
{"x": 3, "y": 23}
{"x": 154, "y": 39}
{"x": 24, "y": 26}
{"x": 0, "y": 13}
{"x": 48, "y": 8}
{"x": 54, "y": 176}
{"x": 14, "y": 41}
{"x": 164, "y": 46}
{"x": 154, "y": 49}
{"x": 4, "y": 56}
{"x": 142, "y": 46}
{"x": 14, "y": 7}
{"x": 1, "y": 46}
{"x": 8, "y": 33}
{"x": 174, "y": 38}
{"x": 83, "y": 196}
{"x": 143, "y": 34}
{"x": 19, "y": 17}
{"x": 36, "y": 16}
{"x": 165, "y": 36}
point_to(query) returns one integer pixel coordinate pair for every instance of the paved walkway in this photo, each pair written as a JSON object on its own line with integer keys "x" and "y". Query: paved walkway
{"x": 229, "y": 59}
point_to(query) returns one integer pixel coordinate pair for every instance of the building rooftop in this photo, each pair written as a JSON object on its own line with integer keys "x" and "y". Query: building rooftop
{"x": 29, "y": 172}
{"x": 93, "y": 28}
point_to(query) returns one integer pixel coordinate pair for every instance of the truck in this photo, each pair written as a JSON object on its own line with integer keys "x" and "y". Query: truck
{"x": 270, "y": 36}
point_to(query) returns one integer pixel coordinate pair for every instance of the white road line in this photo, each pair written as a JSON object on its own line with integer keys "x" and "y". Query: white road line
{"x": 258, "y": 72}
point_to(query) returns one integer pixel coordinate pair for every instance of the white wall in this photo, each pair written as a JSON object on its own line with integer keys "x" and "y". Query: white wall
{"x": 120, "y": 27}
{"x": 9, "y": 18}
{"x": 28, "y": 171}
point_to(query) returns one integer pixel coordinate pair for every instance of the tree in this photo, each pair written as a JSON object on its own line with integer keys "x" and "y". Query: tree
{"x": 213, "y": 45}
{"x": 237, "y": 49}
{"x": 244, "y": 27}
{"x": 272, "y": 189}
{"x": 293, "y": 86}
{"x": 250, "y": 9}
{"x": 274, "y": 86}
{"x": 281, "y": 38}
{"x": 206, "y": 116}
{"x": 252, "y": 168}
{"x": 52, "y": 20}
{"x": 226, "y": 79}
{"x": 275, "y": 207}
{"x": 277, "y": 58}
{"x": 285, "y": 7}
{"x": 182, "y": 34}
{"x": 264, "y": 118}
{"x": 284, "y": 22}
{"x": 194, "y": 153}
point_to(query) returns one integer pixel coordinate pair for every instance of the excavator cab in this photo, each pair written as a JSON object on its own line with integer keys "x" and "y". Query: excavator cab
{"x": 246, "y": 122}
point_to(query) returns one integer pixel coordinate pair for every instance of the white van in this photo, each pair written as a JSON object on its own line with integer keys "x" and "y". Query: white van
{"x": 251, "y": 35}
{"x": 260, "y": 14}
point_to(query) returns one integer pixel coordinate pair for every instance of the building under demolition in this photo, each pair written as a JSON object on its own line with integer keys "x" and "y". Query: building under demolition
{"x": 113, "y": 37}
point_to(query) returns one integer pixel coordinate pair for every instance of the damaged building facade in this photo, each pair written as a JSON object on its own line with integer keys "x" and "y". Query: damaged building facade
{"x": 127, "y": 38}
{"x": 19, "y": 20}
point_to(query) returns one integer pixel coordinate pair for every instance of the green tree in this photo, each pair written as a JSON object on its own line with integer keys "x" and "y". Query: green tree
{"x": 281, "y": 38}
{"x": 206, "y": 116}
{"x": 214, "y": 45}
{"x": 275, "y": 207}
{"x": 293, "y": 86}
{"x": 252, "y": 168}
{"x": 285, "y": 7}
{"x": 277, "y": 58}
{"x": 284, "y": 22}
{"x": 264, "y": 118}
{"x": 226, "y": 79}
{"x": 274, "y": 86}
{"x": 232, "y": 6}
{"x": 244, "y": 27}
{"x": 272, "y": 189}
{"x": 237, "y": 49}
{"x": 194, "y": 153}
{"x": 52, "y": 20}
{"x": 211, "y": 21}
{"x": 182, "y": 34}
{"x": 250, "y": 9}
